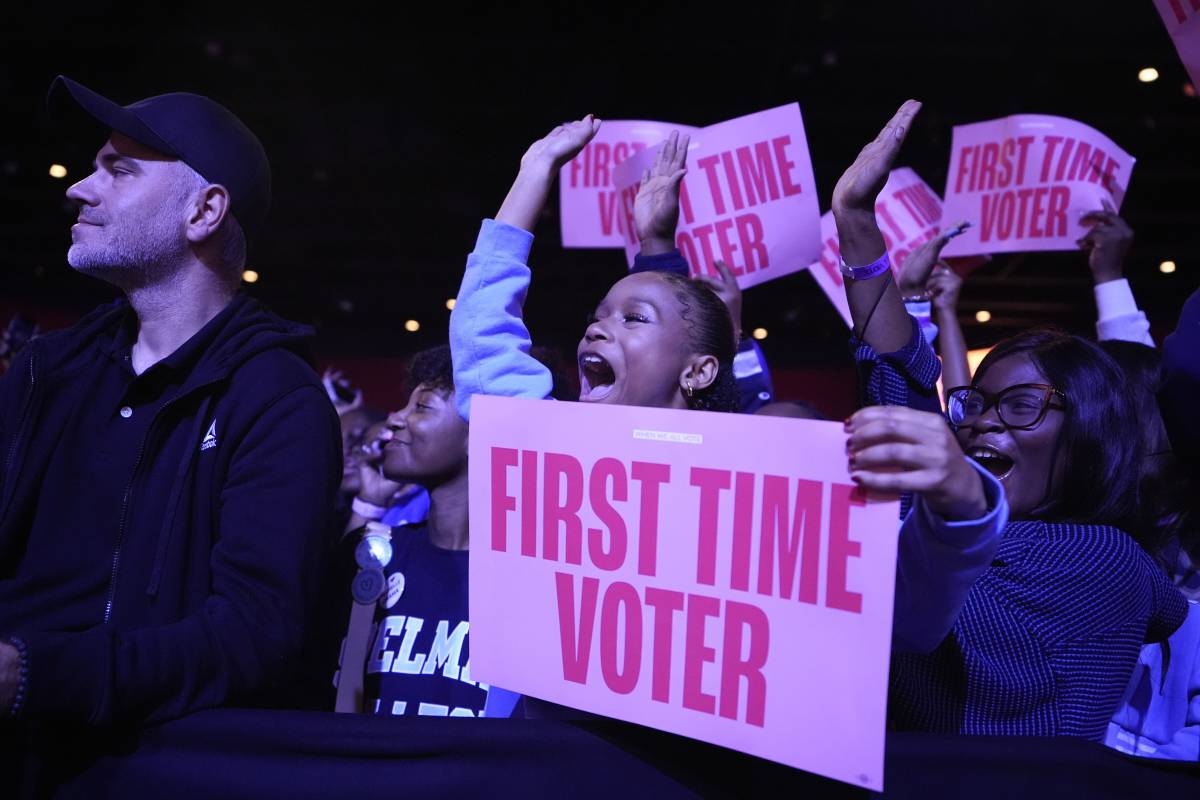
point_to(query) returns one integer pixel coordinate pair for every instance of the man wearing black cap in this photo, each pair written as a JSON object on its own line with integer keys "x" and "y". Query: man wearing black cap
{"x": 168, "y": 466}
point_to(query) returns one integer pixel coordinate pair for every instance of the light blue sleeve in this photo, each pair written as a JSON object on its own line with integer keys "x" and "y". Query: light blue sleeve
{"x": 1159, "y": 716}
{"x": 489, "y": 342}
{"x": 938, "y": 562}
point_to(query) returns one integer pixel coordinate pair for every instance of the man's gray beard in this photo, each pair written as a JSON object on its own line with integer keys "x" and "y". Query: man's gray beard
{"x": 130, "y": 257}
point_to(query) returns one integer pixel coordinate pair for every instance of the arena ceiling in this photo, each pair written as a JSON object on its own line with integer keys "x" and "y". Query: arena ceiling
{"x": 392, "y": 135}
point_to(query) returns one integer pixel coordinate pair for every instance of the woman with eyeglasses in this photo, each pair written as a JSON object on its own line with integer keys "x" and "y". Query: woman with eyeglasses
{"x": 1049, "y": 635}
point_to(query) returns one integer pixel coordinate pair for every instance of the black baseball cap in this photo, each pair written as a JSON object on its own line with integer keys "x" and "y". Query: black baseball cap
{"x": 199, "y": 132}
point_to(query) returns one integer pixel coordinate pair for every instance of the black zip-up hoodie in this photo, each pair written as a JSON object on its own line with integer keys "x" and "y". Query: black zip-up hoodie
{"x": 209, "y": 601}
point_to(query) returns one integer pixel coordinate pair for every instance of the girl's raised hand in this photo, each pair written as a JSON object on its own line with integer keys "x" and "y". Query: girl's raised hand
{"x": 560, "y": 145}
{"x": 539, "y": 167}
{"x": 656, "y": 208}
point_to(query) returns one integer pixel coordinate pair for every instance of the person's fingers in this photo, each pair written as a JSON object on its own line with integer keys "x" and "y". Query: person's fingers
{"x": 924, "y": 247}
{"x": 923, "y": 427}
{"x": 954, "y": 230}
{"x": 1107, "y": 205}
{"x": 1100, "y": 217}
{"x": 681, "y": 151}
{"x": 889, "y": 455}
{"x": 870, "y": 413}
{"x": 898, "y": 126}
{"x": 895, "y": 418}
{"x": 581, "y": 129}
{"x": 726, "y": 273}
{"x": 943, "y": 281}
{"x": 884, "y": 432}
{"x": 645, "y": 178}
{"x": 893, "y": 482}
{"x": 677, "y": 177}
{"x": 666, "y": 153}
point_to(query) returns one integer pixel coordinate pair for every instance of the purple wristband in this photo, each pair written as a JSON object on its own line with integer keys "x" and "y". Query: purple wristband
{"x": 876, "y": 267}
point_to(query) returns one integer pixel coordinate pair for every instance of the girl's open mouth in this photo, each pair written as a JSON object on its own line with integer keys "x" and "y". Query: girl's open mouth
{"x": 597, "y": 380}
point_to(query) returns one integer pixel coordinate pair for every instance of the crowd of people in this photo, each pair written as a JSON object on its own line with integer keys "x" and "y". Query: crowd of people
{"x": 181, "y": 526}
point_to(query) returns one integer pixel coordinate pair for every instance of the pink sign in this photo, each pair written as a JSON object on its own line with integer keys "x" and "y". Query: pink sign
{"x": 687, "y": 571}
{"x": 748, "y": 199}
{"x": 909, "y": 214}
{"x": 1025, "y": 181}
{"x": 1182, "y": 18}
{"x": 587, "y": 201}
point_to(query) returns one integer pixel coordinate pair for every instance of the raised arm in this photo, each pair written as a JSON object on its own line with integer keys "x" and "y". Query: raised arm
{"x": 875, "y": 307}
{"x": 944, "y": 285}
{"x": 896, "y": 365}
{"x": 488, "y": 338}
{"x": 1107, "y": 244}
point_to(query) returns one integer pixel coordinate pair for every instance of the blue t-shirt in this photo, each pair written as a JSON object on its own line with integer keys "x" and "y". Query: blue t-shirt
{"x": 419, "y": 664}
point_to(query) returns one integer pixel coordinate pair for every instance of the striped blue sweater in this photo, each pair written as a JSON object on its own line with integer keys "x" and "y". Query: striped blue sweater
{"x": 1049, "y": 635}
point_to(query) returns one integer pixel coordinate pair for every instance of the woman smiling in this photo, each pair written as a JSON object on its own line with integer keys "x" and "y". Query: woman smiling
{"x": 1049, "y": 634}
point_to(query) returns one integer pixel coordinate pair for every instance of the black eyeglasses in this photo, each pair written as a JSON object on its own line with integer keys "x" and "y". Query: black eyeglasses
{"x": 1020, "y": 407}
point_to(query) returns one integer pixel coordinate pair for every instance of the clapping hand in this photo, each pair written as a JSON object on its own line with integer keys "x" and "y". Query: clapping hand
{"x": 656, "y": 209}
{"x": 913, "y": 275}
{"x": 863, "y": 180}
{"x": 560, "y": 145}
{"x": 539, "y": 166}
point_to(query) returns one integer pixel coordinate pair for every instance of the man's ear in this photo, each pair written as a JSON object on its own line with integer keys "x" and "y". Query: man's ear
{"x": 206, "y": 212}
{"x": 699, "y": 372}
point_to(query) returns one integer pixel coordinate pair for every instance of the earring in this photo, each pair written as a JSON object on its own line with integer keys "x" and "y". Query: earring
{"x": 687, "y": 389}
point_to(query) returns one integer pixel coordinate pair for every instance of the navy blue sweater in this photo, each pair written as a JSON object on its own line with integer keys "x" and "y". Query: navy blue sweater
{"x": 225, "y": 516}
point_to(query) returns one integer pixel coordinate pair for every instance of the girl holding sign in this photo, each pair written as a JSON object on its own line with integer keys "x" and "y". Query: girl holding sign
{"x": 1049, "y": 635}
{"x": 661, "y": 341}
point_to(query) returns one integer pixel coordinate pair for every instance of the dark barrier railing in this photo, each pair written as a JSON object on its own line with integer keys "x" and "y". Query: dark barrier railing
{"x": 298, "y": 755}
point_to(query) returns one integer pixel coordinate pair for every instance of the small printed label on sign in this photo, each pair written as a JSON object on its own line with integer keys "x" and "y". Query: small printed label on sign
{"x": 669, "y": 436}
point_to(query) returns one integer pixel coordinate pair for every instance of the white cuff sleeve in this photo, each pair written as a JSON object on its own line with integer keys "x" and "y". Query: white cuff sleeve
{"x": 1114, "y": 299}
{"x": 1118, "y": 316}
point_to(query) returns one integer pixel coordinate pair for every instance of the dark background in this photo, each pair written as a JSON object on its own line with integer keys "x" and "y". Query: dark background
{"x": 391, "y": 134}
